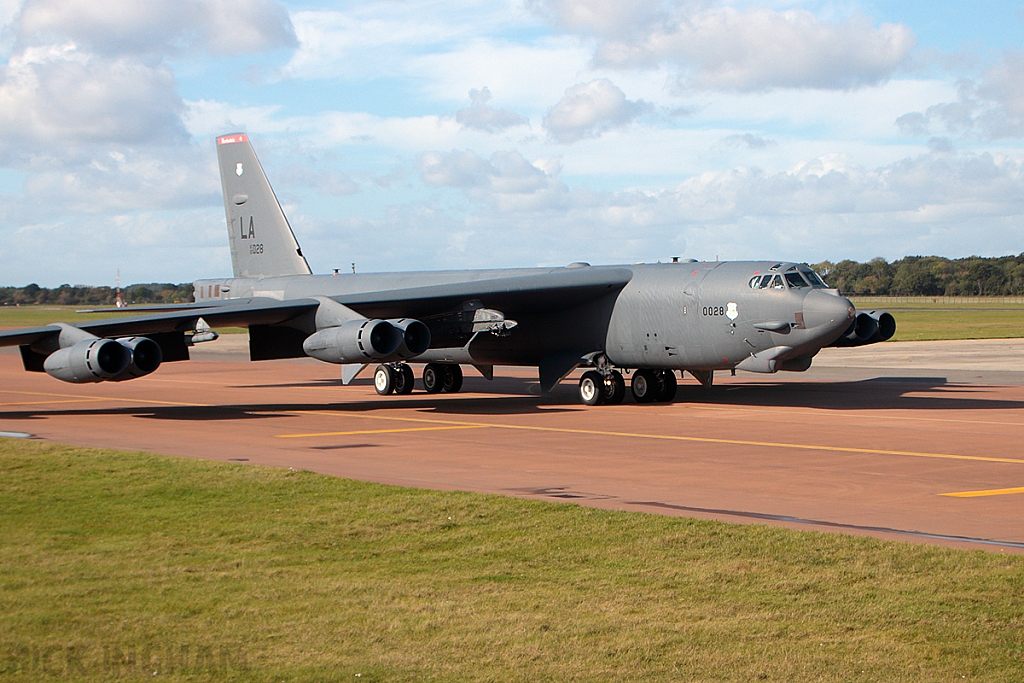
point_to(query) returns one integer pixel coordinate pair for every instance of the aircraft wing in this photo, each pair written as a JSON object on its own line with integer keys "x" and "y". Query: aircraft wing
{"x": 238, "y": 313}
{"x": 561, "y": 288}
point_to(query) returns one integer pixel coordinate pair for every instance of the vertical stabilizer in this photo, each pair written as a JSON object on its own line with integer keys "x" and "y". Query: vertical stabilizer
{"x": 262, "y": 243}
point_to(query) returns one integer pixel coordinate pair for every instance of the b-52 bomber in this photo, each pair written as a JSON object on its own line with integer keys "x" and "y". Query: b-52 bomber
{"x": 650, "y": 321}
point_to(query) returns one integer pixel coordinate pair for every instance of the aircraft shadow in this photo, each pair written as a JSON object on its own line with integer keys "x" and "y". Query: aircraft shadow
{"x": 879, "y": 393}
{"x": 512, "y": 396}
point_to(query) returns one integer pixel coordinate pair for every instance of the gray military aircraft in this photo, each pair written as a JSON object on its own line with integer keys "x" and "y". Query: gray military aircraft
{"x": 651, "y": 319}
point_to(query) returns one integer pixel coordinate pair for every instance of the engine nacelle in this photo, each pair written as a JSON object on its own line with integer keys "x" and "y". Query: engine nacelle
{"x": 146, "y": 357}
{"x": 90, "y": 360}
{"x": 415, "y": 337}
{"x": 357, "y": 341}
{"x": 868, "y": 328}
{"x": 886, "y": 325}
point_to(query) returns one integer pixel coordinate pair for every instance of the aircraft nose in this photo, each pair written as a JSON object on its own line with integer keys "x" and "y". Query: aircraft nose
{"x": 827, "y": 312}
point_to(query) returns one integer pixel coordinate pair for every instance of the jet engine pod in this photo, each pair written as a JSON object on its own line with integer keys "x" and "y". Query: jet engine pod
{"x": 415, "y": 337}
{"x": 868, "y": 328}
{"x": 357, "y": 341}
{"x": 146, "y": 357}
{"x": 860, "y": 331}
{"x": 885, "y": 325}
{"x": 90, "y": 360}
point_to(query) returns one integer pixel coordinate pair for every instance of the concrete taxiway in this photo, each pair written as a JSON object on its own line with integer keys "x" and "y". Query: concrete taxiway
{"x": 914, "y": 441}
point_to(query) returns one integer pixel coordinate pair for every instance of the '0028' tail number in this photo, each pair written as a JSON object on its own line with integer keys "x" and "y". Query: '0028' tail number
{"x": 713, "y": 310}
{"x": 255, "y": 248}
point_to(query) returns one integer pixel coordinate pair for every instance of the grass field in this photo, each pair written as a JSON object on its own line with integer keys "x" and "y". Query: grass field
{"x": 35, "y": 316}
{"x": 915, "y": 321}
{"x": 128, "y": 565}
{"x": 923, "y": 319}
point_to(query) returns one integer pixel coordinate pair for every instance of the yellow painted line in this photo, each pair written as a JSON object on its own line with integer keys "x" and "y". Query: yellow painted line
{"x": 864, "y": 417}
{"x": 382, "y": 431}
{"x": 73, "y": 398}
{"x": 692, "y": 439}
{"x": 979, "y": 494}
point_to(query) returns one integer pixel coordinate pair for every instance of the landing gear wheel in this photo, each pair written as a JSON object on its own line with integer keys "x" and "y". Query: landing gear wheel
{"x": 433, "y": 378}
{"x": 644, "y": 386}
{"x": 384, "y": 380}
{"x": 452, "y": 378}
{"x": 665, "y": 387}
{"x": 614, "y": 388}
{"x": 404, "y": 379}
{"x": 592, "y": 388}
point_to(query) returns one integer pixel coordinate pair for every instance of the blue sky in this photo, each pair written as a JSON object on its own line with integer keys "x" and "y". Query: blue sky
{"x": 409, "y": 134}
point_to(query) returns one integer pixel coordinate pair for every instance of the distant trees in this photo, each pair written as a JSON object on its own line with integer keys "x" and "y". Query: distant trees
{"x": 81, "y": 295}
{"x": 928, "y": 276}
{"x": 908, "y": 276}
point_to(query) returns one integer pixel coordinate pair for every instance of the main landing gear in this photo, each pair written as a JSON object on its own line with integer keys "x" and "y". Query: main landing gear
{"x": 609, "y": 387}
{"x": 398, "y": 378}
{"x": 653, "y": 385}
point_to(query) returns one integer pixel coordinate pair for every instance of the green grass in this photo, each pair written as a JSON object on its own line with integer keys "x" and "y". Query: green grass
{"x": 921, "y": 319}
{"x": 121, "y": 564}
{"x": 37, "y": 316}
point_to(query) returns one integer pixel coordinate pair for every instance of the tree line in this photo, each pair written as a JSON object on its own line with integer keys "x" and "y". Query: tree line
{"x": 927, "y": 276}
{"x": 908, "y": 276}
{"x": 83, "y": 295}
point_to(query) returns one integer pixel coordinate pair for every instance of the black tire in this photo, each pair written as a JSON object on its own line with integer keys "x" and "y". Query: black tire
{"x": 384, "y": 380}
{"x": 452, "y": 378}
{"x": 644, "y": 385}
{"x": 665, "y": 388}
{"x": 614, "y": 388}
{"x": 404, "y": 379}
{"x": 592, "y": 389}
{"x": 433, "y": 378}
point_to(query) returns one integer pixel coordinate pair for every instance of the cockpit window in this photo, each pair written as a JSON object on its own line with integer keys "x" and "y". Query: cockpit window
{"x": 814, "y": 279}
{"x": 796, "y": 281}
{"x": 768, "y": 281}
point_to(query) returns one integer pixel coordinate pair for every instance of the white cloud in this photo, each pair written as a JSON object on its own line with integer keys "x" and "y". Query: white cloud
{"x": 60, "y": 98}
{"x": 123, "y": 27}
{"x": 589, "y": 109}
{"x": 507, "y": 180}
{"x": 724, "y": 48}
{"x": 990, "y": 108}
{"x": 480, "y": 116}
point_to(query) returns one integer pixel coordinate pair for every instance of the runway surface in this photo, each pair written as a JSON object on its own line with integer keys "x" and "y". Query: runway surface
{"x": 904, "y": 441}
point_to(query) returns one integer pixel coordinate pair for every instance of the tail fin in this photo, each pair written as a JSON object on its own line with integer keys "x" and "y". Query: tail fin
{"x": 262, "y": 242}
